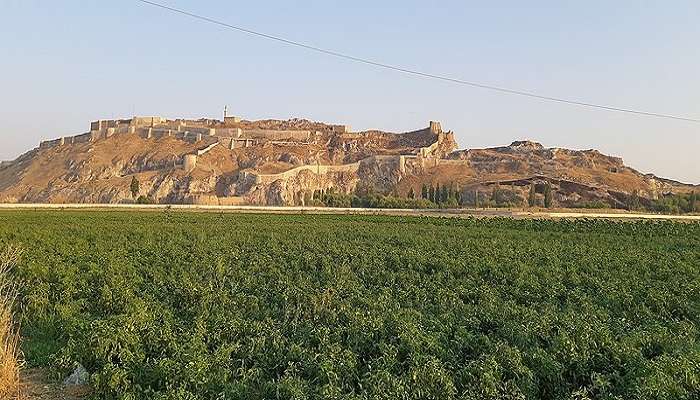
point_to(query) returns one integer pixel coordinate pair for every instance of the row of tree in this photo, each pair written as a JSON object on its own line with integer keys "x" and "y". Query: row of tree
{"x": 677, "y": 203}
{"x": 369, "y": 199}
{"x": 451, "y": 196}
{"x": 445, "y": 195}
{"x": 546, "y": 191}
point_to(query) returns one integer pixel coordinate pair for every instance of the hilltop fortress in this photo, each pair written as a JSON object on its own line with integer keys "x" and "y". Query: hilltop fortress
{"x": 234, "y": 133}
{"x": 284, "y": 162}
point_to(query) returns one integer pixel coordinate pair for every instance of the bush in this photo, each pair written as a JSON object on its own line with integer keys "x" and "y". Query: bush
{"x": 676, "y": 203}
{"x": 379, "y": 201}
{"x": 144, "y": 200}
{"x": 595, "y": 204}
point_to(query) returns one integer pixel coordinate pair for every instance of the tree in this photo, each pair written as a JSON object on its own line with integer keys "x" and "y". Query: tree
{"x": 531, "y": 198}
{"x": 431, "y": 193}
{"x": 445, "y": 194}
{"x": 411, "y": 194}
{"x": 633, "y": 202}
{"x": 458, "y": 194}
{"x": 476, "y": 198}
{"x": 424, "y": 192}
{"x": 438, "y": 194}
{"x": 547, "y": 195}
{"x": 135, "y": 186}
{"x": 693, "y": 202}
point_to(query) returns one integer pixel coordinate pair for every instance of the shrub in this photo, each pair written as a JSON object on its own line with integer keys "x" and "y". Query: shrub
{"x": 594, "y": 204}
{"x": 144, "y": 200}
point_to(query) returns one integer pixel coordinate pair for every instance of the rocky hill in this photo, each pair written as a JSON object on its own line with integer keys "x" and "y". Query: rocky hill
{"x": 276, "y": 162}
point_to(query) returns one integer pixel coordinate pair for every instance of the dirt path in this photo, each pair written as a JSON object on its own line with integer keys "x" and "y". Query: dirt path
{"x": 36, "y": 385}
{"x": 459, "y": 213}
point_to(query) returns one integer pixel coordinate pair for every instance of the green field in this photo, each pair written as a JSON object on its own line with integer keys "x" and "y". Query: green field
{"x": 233, "y": 306}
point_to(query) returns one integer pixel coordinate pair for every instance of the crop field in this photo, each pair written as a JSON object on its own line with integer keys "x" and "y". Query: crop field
{"x": 167, "y": 305}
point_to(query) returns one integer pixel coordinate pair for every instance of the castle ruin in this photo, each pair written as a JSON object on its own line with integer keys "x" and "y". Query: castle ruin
{"x": 232, "y": 132}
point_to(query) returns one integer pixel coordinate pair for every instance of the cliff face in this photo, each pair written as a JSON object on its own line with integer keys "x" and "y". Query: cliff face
{"x": 213, "y": 170}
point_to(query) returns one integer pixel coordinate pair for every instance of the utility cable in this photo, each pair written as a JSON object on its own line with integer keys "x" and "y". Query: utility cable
{"x": 413, "y": 72}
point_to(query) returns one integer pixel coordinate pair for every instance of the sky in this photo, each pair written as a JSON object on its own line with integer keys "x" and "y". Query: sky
{"x": 65, "y": 63}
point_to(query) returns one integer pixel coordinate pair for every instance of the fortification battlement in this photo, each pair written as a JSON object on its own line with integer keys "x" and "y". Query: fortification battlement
{"x": 227, "y": 133}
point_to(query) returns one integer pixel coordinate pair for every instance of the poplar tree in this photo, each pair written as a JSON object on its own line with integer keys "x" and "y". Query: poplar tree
{"x": 547, "y": 195}
{"x": 692, "y": 202}
{"x": 531, "y": 199}
{"x": 135, "y": 186}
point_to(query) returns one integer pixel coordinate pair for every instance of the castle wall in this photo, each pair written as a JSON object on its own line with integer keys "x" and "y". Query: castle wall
{"x": 341, "y": 129}
{"x": 276, "y": 135}
{"x": 207, "y": 149}
{"x": 84, "y": 138}
{"x": 196, "y": 130}
{"x": 147, "y": 121}
{"x": 233, "y": 138}
{"x": 47, "y": 144}
{"x": 316, "y": 169}
{"x": 399, "y": 161}
{"x": 232, "y": 120}
{"x": 428, "y": 151}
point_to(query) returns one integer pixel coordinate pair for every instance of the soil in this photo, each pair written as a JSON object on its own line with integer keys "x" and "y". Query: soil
{"x": 37, "y": 385}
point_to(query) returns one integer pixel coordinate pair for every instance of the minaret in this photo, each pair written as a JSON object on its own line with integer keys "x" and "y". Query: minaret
{"x": 225, "y": 112}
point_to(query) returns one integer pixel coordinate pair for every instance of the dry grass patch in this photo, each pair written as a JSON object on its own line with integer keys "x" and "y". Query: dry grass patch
{"x": 10, "y": 358}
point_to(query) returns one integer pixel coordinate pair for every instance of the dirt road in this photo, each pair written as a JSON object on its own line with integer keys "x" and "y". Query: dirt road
{"x": 457, "y": 213}
{"x": 36, "y": 385}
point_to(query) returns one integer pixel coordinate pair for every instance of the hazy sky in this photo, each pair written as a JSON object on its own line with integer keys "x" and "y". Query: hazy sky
{"x": 64, "y": 63}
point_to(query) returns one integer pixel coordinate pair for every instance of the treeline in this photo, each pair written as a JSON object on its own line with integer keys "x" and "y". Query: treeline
{"x": 432, "y": 196}
{"x": 451, "y": 195}
{"x": 677, "y": 203}
{"x": 445, "y": 196}
{"x": 330, "y": 198}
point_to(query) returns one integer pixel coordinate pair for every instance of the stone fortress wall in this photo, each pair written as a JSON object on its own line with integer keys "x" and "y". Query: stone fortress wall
{"x": 424, "y": 157}
{"x": 188, "y": 130}
{"x": 209, "y": 132}
{"x": 212, "y": 133}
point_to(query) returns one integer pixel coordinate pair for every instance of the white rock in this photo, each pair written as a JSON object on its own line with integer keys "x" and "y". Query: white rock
{"x": 80, "y": 376}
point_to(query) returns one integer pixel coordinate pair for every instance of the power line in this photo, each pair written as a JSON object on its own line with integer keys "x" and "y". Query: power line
{"x": 415, "y": 72}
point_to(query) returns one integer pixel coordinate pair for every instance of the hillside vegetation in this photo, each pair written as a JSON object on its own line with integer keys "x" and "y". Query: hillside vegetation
{"x": 209, "y": 306}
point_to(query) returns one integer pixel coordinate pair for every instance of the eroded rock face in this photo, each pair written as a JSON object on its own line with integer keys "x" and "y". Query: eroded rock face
{"x": 294, "y": 190}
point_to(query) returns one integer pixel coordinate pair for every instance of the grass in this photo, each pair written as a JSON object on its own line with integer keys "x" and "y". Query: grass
{"x": 10, "y": 359}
